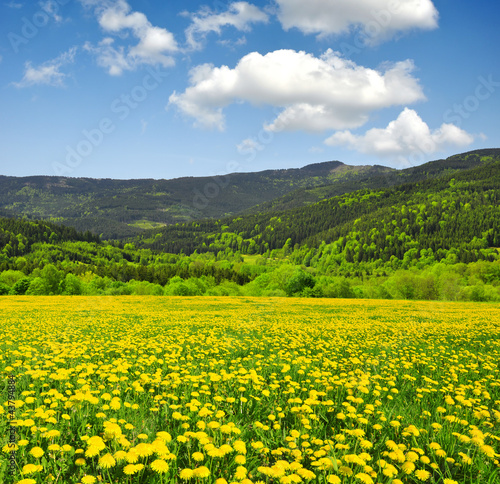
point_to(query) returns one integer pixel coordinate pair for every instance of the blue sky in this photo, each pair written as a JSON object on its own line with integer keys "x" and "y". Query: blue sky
{"x": 143, "y": 89}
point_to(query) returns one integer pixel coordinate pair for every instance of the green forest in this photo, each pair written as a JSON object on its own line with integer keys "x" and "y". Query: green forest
{"x": 430, "y": 232}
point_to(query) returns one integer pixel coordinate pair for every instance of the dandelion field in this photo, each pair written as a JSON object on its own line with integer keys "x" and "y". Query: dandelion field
{"x": 242, "y": 390}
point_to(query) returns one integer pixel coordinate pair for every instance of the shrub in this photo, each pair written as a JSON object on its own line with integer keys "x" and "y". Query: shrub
{"x": 20, "y": 287}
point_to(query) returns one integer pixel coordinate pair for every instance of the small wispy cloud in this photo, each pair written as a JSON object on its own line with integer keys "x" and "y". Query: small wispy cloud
{"x": 52, "y": 8}
{"x": 13, "y": 5}
{"x": 249, "y": 145}
{"x": 233, "y": 43}
{"x": 47, "y": 73}
{"x": 239, "y": 15}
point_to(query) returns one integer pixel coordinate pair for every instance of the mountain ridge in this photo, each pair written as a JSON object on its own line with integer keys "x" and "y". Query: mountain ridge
{"x": 118, "y": 209}
{"x": 122, "y": 208}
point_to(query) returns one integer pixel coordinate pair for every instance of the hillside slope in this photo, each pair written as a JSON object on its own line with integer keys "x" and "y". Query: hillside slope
{"x": 459, "y": 211}
{"x": 117, "y": 209}
{"x": 432, "y": 169}
{"x": 121, "y": 208}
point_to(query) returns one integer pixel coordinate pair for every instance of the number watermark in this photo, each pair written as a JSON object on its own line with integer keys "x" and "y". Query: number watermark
{"x": 12, "y": 427}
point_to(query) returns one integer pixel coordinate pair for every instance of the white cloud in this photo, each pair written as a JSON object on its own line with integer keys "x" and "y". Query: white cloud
{"x": 249, "y": 145}
{"x": 115, "y": 17}
{"x": 405, "y": 136}
{"x": 378, "y": 20}
{"x": 47, "y": 73}
{"x": 239, "y": 15}
{"x": 114, "y": 59}
{"x": 316, "y": 94}
{"x": 51, "y": 7}
{"x": 233, "y": 43}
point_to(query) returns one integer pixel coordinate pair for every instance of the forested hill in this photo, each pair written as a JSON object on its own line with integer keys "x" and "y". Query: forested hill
{"x": 117, "y": 209}
{"x": 459, "y": 211}
{"x": 17, "y": 236}
{"x": 122, "y": 208}
{"x": 436, "y": 238}
{"x": 432, "y": 169}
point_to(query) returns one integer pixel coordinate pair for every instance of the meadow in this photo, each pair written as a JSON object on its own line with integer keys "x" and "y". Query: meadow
{"x": 139, "y": 389}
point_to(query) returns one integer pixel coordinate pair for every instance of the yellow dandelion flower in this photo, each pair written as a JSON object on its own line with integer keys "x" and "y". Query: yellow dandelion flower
{"x": 131, "y": 469}
{"x": 143, "y": 449}
{"x": 165, "y": 436}
{"x": 112, "y": 430}
{"x": 226, "y": 449}
{"x": 333, "y": 479}
{"x": 37, "y": 452}
{"x": 365, "y": 444}
{"x": 240, "y": 473}
{"x": 422, "y": 474}
{"x": 120, "y": 455}
{"x": 198, "y": 456}
{"x": 306, "y": 474}
{"x": 345, "y": 471}
{"x": 389, "y": 470}
{"x": 32, "y": 468}
{"x": 107, "y": 461}
{"x": 160, "y": 466}
{"x": 240, "y": 447}
{"x": 466, "y": 459}
{"x": 412, "y": 456}
{"x": 186, "y": 474}
{"x": 408, "y": 467}
{"x": 240, "y": 459}
{"x": 92, "y": 451}
{"x": 201, "y": 472}
{"x": 96, "y": 442}
{"x": 88, "y": 480}
{"x": 132, "y": 457}
{"x": 364, "y": 478}
{"x": 488, "y": 451}
{"x": 115, "y": 404}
